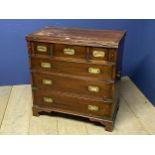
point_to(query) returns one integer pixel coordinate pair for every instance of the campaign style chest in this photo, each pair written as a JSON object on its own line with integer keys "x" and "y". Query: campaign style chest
{"x": 76, "y": 71}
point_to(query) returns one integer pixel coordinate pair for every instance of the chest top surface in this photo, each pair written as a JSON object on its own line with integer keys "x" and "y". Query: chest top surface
{"x": 76, "y": 36}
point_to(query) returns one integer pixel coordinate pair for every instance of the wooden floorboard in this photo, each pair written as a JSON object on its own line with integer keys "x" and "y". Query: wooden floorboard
{"x": 18, "y": 111}
{"x": 71, "y": 127}
{"x": 139, "y": 105}
{"x": 135, "y": 116}
{"x": 43, "y": 125}
{"x": 5, "y": 92}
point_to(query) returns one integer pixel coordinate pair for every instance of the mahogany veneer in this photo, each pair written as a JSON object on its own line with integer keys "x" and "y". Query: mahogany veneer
{"x": 76, "y": 71}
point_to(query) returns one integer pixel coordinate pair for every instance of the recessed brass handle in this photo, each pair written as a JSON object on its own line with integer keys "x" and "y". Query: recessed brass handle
{"x": 48, "y": 99}
{"x": 41, "y": 48}
{"x": 69, "y": 51}
{"x": 47, "y": 82}
{"x": 46, "y": 65}
{"x": 98, "y": 54}
{"x": 95, "y": 89}
{"x": 93, "y": 70}
{"x": 93, "y": 107}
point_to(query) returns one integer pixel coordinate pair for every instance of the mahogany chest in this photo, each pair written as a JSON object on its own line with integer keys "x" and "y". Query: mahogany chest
{"x": 76, "y": 71}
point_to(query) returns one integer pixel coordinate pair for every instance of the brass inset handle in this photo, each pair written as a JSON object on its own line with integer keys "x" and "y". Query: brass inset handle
{"x": 93, "y": 70}
{"x": 46, "y": 65}
{"x": 98, "y": 54}
{"x": 48, "y": 99}
{"x": 41, "y": 48}
{"x": 69, "y": 51}
{"x": 47, "y": 82}
{"x": 93, "y": 107}
{"x": 95, "y": 89}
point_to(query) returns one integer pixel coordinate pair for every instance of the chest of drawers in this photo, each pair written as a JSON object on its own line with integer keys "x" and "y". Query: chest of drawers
{"x": 76, "y": 71}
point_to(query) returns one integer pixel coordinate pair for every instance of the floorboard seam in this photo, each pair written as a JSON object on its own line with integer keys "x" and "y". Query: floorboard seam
{"x": 30, "y": 114}
{"x": 57, "y": 126}
{"x": 29, "y": 124}
{"x": 86, "y": 129}
{"x": 6, "y": 107}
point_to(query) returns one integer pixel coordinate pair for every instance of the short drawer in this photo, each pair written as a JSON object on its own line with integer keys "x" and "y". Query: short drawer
{"x": 84, "y": 87}
{"x": 69, "y": 51}
{"x": 40, "y": 48}
{"x": 70, "y": 103}
{"x": 105, "y": 54}
{"x": 103, "y": 72}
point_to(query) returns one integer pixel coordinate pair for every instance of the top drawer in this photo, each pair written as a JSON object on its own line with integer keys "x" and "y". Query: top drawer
{"x": 42, "y": 48}
{"x": 69, "y": 51}
{"x": 105, "y": 54}
{"x": 73, "y": 51}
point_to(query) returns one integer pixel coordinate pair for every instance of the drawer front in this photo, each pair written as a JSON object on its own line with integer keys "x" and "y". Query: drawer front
{"x": 103, "y": 54}
{"x": 42, "y": 48}
{"x": 70, "y": 103}
{"x": 69, "y": 51}
{"x": 103, "y": 72}
{"x": 93, "y": 88}
{"x": 72, "y": 51}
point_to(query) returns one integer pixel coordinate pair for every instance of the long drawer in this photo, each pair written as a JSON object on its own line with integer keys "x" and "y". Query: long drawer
{"x": 63, "y": 83}
{"x": 70, "y": 103}
{"x": 103, "y": 72}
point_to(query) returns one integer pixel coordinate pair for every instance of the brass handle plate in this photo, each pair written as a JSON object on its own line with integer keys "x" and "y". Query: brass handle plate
{"x": 95, "y": 89}
{"x": 45, "y": 65}
{"x": 93, "y": 107}
{"x": 41, "y": 48}
{"x": 48, "y": 99}
{"x": 98, "y": 54}
{"x": 93, "y": 70}
{"x": 69, "y": 51}
{"x": 47, "y": 82}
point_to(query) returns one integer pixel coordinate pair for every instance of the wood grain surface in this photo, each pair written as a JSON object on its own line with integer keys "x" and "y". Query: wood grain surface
{"x": 80, "y": 62}
{"x": 76, "y": 36}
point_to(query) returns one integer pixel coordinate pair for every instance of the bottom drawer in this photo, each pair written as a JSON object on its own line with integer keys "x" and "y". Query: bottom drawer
{"x": 72, "y": 103}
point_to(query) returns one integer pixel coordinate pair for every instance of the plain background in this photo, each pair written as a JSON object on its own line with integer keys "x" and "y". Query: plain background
{"x": 138, "y": 59}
